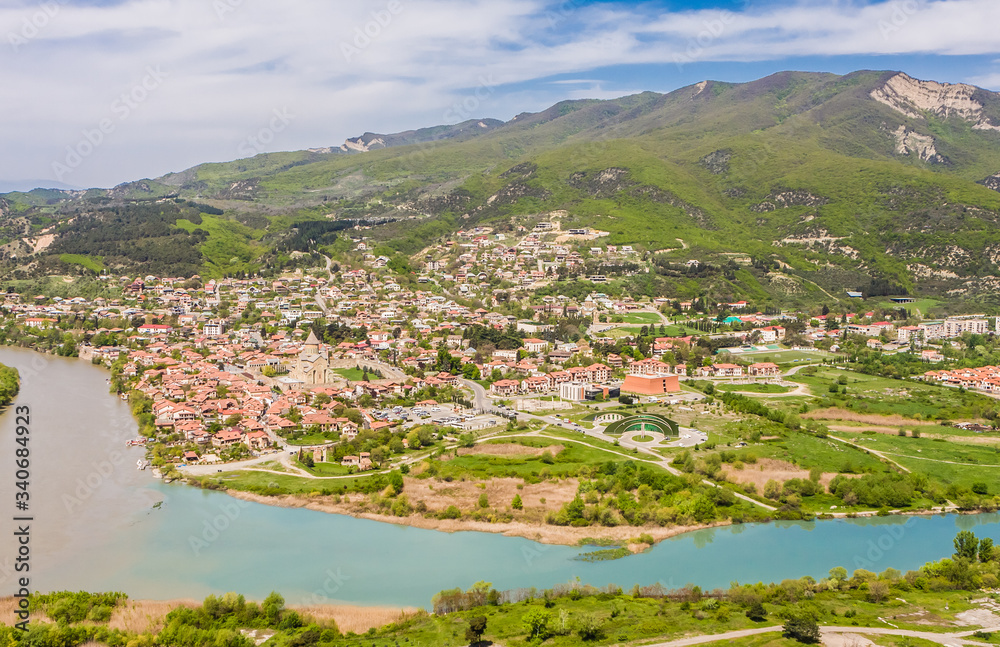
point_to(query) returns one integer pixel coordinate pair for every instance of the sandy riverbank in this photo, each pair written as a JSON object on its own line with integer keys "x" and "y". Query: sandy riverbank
{"x": 542, "y": 533}
{"x": 147, "y": 616}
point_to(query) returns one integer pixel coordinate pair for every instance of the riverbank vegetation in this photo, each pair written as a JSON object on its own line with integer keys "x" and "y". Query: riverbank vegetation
{"x": 937, "y": 600}
{"x": 10, "y": 384}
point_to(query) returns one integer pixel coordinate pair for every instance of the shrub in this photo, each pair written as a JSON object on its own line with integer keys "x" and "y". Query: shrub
{"x": 802, "y": 628}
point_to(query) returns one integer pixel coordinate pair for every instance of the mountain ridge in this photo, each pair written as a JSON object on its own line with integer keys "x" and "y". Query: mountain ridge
{"x": 872, "y": 175}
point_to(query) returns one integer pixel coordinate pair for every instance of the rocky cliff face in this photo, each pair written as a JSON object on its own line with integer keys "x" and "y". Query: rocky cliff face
{"x": 908, "y": 142}
{"x": 912, "y": 97}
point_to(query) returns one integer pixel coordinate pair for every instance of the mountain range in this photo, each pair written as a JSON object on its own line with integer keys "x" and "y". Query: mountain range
{"x": 800, "y": 183}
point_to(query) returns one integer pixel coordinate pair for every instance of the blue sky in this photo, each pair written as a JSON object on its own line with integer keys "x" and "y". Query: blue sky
{"x": 100, "y": 92}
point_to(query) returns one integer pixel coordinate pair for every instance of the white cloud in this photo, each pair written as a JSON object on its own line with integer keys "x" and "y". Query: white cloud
{"x": 343, "y": 68}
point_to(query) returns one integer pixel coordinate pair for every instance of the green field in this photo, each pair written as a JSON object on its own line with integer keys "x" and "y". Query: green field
{"x": 231, "y": 246}
{"x": 252, "y": 481}
{"x": 92, "y": 263}
{"x": 644, "y": 318}
{"x": 886, "y": 396}
{"x": 312, "y": 439}
{"x": 789, "y": 357}
{"x": 352, "y": 374}
{"x": 807, "y": 451}
{"x": 753, "y": 388}
{"x": 923, "y": 305}
{"x": 593, "y": 442}
{"x": 327, "y": 469}
{"x": 566, "y": 463}
{"x": 948, "y": 462}
{"x": 618, "y": 333}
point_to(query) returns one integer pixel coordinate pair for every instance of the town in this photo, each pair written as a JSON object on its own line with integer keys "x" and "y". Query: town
{"x": 231, "y": 368}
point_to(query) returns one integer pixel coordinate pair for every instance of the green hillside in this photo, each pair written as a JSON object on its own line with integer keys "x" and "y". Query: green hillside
{"x": 829, "y": 181}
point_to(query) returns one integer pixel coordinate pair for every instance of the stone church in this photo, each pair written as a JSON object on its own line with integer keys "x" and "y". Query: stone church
{"x": 312, "y": 366}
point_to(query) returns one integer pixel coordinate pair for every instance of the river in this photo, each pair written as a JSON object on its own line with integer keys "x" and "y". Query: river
{"x": 101, "y": 525}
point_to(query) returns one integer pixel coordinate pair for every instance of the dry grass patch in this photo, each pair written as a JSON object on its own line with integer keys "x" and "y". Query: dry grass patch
{"x": 509, "y": 450}
{"x": 767, "y": 469}
{"x": 500, "y": 492}
{"x": 145, "y": 616}
{"x": 356, "y": 619}
{"x": 836, "y": 413}
{"x": 8, "y": 607}
{"x": 894, "y": 431}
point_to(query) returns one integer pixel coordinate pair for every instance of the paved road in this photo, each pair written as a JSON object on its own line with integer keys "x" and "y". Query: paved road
{"x": 205, "y": 470}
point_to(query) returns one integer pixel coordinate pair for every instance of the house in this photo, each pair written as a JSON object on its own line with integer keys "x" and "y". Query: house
{"x": 771, "y": 334}
{"x": 154, "y": 329}
{"x": 257, "y": 440}
{"x": 764, "y": 369}
{"x": 505, "y": 388}
{"x": 227, "y": 438}
{"x": 214, "y": 328}
{"x": 728, "y": 370}
{"x": 535, "y": 345}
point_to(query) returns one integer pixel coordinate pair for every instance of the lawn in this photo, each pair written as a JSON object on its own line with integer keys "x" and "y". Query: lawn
{"x": 353, "y": 374}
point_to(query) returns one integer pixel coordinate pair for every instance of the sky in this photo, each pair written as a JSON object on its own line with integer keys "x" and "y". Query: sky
{"x": 100, "y": 92}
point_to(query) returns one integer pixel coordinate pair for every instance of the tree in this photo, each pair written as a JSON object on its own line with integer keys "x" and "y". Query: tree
{"x": 878, "y": 591}
{"x": 589, "y": 627}
{"x": 802, "y": 628}
{"x": 966, "y": 545}
{"x": 772, "y": 489}
{"x": 756, "y": 611}
{"x": 536, "y": 623}
{"x": 396, "y": 481}
{"x": 477, "y": 627}
{"x": 272, "y": 607}
{"x": 517, "y": 504}
{"x": 986, "y": 550}
{"x": 838, "y": 574}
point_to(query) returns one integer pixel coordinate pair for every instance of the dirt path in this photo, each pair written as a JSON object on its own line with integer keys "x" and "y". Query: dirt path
{"x": 871, "y": 451}
{"x": 801, "y": 389}
{"x": 834, "y": 635}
